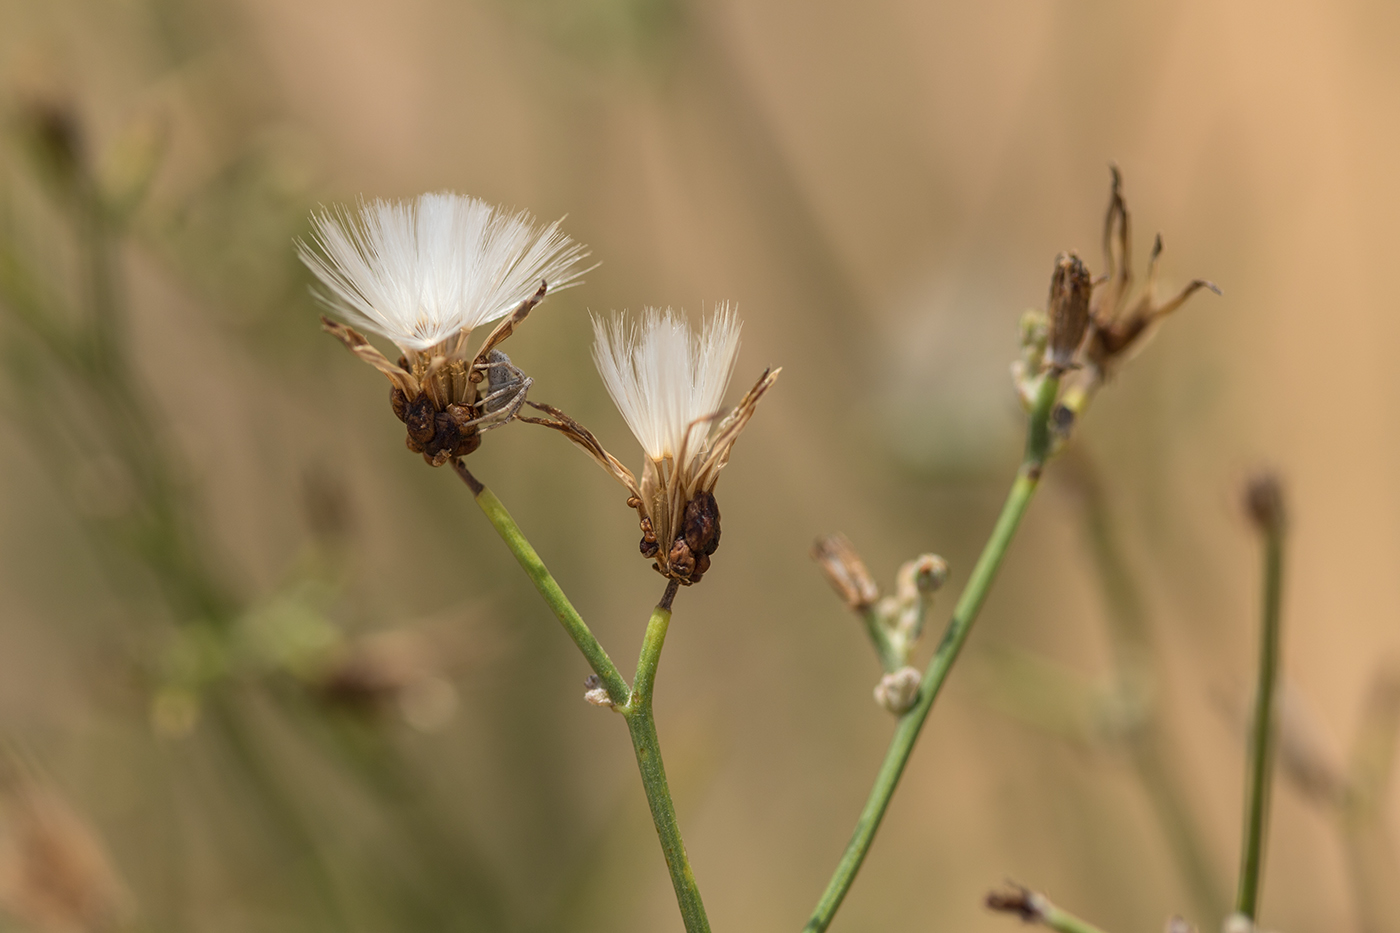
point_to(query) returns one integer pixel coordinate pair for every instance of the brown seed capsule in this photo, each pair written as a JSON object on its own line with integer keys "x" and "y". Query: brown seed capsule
{"x": 1070, "y": 288}
{"x": 701, "y": 524}
{"x": 421, "y": 418}
{"x": 648, "y": 545}
{"x": 681, "y": 560}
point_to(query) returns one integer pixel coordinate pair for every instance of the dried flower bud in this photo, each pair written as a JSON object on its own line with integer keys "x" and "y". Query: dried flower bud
{"x": 1023, "y": 902}
{"x": 898, "y": 692}
{"x": 1263, "y": 502}
{"x": 1070, "y": 288}
{"x": 845, "y": 571}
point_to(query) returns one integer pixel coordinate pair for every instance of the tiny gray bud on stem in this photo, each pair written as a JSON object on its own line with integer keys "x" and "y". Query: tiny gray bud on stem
{"x": 1068, "y": 309}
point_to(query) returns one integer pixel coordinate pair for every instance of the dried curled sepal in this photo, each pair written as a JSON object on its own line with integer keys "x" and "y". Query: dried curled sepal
{"x": 356, "y": 343}
{"x": 504, "y": 329}
{"x": 845, "y": 571}
{"x": 581, "y": 436}
{"x": 1117, "y": 328}
{"x": 727, "y": 432}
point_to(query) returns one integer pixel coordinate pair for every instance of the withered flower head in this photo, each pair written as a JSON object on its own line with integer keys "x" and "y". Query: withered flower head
{"x": 425, "y": 273}
{"x": 1263, "y": 502}
{"x": 1068, "y": 309}
{"x": 668, "y": 383}
{"x": 1118, "y": 322}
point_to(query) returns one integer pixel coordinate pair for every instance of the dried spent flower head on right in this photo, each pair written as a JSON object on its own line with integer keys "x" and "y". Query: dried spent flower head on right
{"x": 668, "y": 382}
{"x": 425, "y": 273}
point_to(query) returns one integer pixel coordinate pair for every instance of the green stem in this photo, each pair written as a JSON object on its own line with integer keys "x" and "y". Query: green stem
{"x": 1038, "y": 440}
{"x": 568, "y": 616}
{"x": 642, "y": 725}
{"x": 1065, "y": 922}
{"x": 890, "y": 660}
{"x": 1261, "y": 732}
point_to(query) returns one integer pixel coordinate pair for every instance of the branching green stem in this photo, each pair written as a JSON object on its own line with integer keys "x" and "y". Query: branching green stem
{"x": 1261, "y": 740}
{"x": 1038, "y": 441}
{"x": 633, "y": 703}
{"x": 642, "y": 725}
{"x": 554, "y": 597}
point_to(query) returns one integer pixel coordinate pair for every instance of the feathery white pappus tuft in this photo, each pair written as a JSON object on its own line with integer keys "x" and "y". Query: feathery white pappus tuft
{"x": 423, "y": 271}
{"x": 666, "y": 379}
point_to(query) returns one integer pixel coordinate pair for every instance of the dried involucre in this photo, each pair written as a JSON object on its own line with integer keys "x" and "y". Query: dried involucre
{"x": 424, "y": 274}
{"x": 668, "y": 382}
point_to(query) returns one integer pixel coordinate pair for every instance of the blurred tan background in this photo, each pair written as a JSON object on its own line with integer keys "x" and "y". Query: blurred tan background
{"x": 882, "y": 188}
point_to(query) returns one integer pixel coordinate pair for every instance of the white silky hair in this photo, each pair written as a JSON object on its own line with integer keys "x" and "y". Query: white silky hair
{"x": 420, "y": 272}
{"x": 665, "y": 378}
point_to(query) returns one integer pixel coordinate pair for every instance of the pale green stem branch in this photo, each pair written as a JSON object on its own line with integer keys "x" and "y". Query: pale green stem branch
{"x": 1038, "y": 440}
{"x": 642, "y": 725}
{"x": 554, "y": 597}
{"x": 1261, "y": 739}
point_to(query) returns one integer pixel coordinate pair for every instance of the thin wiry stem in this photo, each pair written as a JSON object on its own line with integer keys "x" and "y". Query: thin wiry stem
{"x": 1261, "y": 741}
{"x": 633, "y": 703}
{"x": 1038, "y": 441}
{"x": 642, "y": 725}
{"x": 553, "y": 596}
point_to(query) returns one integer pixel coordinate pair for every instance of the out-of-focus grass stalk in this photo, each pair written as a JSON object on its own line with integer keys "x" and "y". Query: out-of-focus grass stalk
{"x": 1266, "y": 507}
{"x": 1149, "y": 742}
{"x": 1370, "y": 855}
{"x": 1038, "y": 444}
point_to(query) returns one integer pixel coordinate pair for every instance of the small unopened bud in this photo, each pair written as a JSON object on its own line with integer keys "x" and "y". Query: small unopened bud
{"x": 595, "y": 692}
{"x": 1178, "y": 925}
{"x": 845, "y": 571}
{"x": 1263, "y": 502}
{"x": 1068, "y": 309}
{"x": 898, "y": 692}
{"x": 924, "y": 574}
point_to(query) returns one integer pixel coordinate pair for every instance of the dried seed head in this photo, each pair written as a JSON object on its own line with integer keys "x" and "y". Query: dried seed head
{"x": 1068, "y": 309}
{"x": 899, "y": 691}
{"x": 1023, "y": 902}
{"x": 1263, "y": 502}
{"x": 668, "y": 382}
{"x": 845, "y": 571}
